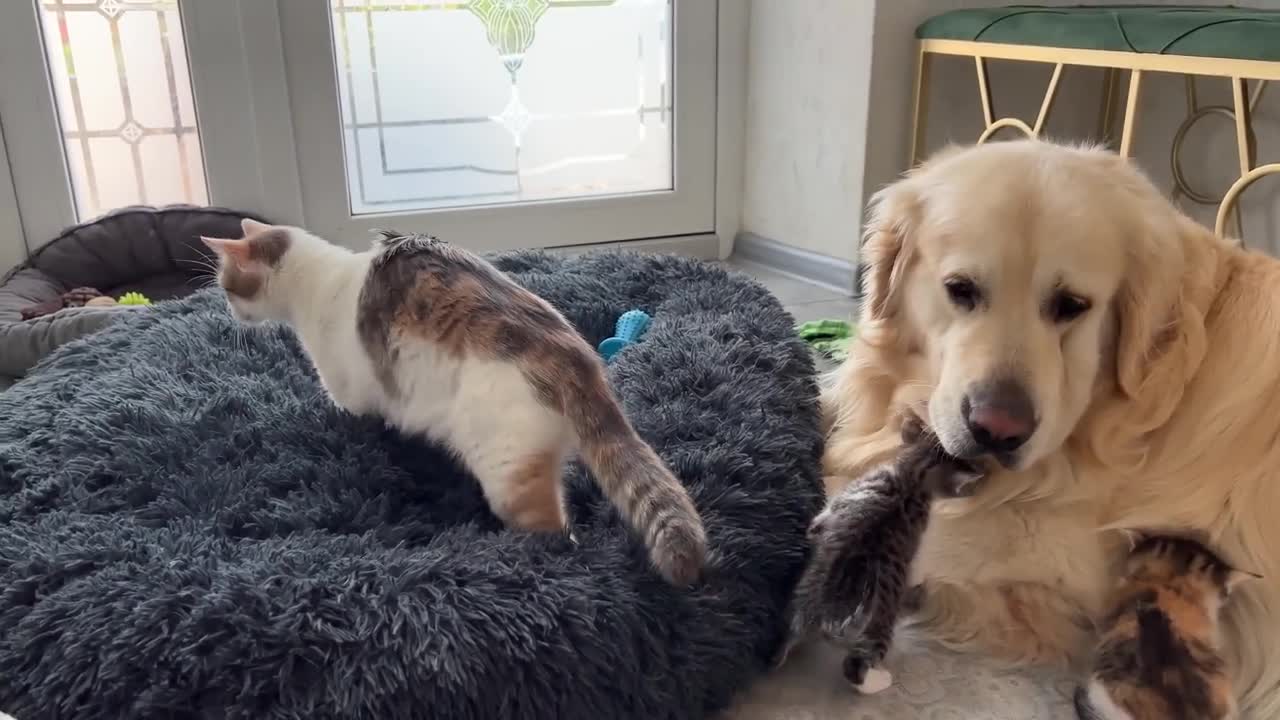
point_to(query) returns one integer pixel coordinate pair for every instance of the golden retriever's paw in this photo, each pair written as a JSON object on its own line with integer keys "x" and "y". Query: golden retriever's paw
{"x": 1017, "y": 623}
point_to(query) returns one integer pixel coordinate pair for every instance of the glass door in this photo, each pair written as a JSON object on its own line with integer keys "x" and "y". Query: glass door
{"x": 494, "y": 124}
{"x": 504, "y": 123}
{"x": 97, "y": 110}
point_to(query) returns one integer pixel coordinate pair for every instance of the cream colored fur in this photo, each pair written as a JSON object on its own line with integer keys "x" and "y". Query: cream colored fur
{"x": 1158, "y": 408}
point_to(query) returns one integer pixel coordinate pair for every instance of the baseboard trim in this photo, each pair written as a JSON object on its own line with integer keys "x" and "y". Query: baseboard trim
{"x": 703, "y": 246}
{"x": 837, "y": 274}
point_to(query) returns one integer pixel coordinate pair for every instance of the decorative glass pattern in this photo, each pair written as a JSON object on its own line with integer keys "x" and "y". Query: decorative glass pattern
{"x": 470, "y": 102}
{"x": 119, "y": 71}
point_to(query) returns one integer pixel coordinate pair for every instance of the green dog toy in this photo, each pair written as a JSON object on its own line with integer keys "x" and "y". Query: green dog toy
{"x": 829, "y": 337}
{"x": 133, "y": 298}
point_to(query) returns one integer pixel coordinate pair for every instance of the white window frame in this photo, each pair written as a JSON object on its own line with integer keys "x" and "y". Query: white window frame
{"x": 33, "y": 139}
{"x": 240, "y": 81}
{"x": 13, "y": 244}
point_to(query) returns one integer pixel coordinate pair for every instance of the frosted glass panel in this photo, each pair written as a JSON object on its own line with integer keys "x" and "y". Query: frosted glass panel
{"x": 471, "y": 102}
{"x": 119, "y": 70}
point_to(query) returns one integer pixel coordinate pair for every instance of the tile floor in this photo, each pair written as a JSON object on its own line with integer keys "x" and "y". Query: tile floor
{"x": 806, "y": 301}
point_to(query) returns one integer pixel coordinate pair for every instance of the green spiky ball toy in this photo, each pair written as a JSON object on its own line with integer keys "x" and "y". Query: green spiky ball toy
{"x": 133, "y": 298}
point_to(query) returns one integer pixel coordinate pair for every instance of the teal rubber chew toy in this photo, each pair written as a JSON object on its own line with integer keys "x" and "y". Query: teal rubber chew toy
{"x": 631, "y": 325}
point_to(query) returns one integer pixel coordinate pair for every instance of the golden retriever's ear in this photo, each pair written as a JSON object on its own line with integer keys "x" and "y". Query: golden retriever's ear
{"x": 1148, "y": 310}
{"x": 886, "y": 248}
{"x": 1161, "y": 309}
{"x": 1160, "y": 335}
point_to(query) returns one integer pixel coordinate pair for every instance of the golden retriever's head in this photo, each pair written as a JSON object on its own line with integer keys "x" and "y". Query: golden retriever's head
{"x": 1024, "y": 277}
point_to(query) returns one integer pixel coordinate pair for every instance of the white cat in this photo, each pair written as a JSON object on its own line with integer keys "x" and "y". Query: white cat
{"x": 439, "y": 342}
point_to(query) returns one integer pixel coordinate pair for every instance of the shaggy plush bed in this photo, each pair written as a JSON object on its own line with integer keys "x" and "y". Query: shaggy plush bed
{"x": 188, "y": 528}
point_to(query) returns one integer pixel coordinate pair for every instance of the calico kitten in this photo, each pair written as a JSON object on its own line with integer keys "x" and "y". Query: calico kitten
{"x": 439, "y": 342}
{"x": 1159, "y": 654}
{"x": 863, "y": 544}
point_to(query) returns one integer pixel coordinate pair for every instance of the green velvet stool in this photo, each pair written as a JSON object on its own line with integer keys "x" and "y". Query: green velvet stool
{"x": 1222, "y": 42}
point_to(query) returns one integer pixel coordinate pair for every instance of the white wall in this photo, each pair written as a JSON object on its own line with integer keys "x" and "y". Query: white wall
{"x": 810, "y": 93}
{"x": 808, "y": 82}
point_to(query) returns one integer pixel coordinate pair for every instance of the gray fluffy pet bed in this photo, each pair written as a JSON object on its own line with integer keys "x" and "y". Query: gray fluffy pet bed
{"x": 188, "y": 528}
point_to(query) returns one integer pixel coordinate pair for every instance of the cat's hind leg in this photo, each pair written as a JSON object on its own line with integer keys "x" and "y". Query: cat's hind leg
{"x": 862, "y": 666}
{"x": 526, "y": 492}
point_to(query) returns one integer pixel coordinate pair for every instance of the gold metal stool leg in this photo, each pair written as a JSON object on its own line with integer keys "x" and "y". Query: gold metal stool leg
{"x": 1050, "y": 94}
{"x": 1131, "y": 113}
{"x": 1229, "y": 200}
{"x": 1246, "y": 141}
{"x": 994, "y": 124}
{"x": 920, "y": 115}
{"x": 1244, "y": 123}
{"x": 1107, "y": 108}
{"x": 1246, "y": 155}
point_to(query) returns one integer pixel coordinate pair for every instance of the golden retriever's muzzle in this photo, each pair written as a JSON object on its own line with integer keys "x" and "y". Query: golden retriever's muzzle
{"x": 1000, "y": 418}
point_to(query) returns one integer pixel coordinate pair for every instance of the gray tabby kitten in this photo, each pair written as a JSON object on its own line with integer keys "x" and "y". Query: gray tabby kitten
{"x": 863, "y": 544}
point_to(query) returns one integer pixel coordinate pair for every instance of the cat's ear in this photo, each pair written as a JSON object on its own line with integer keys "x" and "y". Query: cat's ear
{"x": 234, "y": 251}
{"x": 912, "y": 427}
{"x": 1235, "y": 577}
{"x": 249, "y": 226}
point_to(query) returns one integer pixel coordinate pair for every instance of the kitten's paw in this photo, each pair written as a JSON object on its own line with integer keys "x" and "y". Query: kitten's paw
{"x": 854, "y": 669}
{"x": 783, "y": 653}
{"x": 913, "y": 599}
{"x": 875, "y": 680}
{"x": 863, "y": 677}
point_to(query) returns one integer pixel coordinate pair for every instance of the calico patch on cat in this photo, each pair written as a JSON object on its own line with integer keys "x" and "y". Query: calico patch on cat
{"x": 438, "y": 342}
{"x": 863, "y": 544}
{"x": 1159, "y": 656}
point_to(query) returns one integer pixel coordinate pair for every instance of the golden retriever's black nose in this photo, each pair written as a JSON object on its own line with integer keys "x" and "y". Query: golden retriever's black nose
{"x": 999, "y": 415}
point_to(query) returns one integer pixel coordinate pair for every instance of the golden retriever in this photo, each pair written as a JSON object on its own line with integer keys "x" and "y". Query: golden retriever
{"x": 1046, "y": 305}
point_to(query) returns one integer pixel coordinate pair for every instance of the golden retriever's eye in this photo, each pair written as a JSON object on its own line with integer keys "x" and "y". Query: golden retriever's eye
{"x": 1065, "y": 307}
{"x": 963, "y": 292}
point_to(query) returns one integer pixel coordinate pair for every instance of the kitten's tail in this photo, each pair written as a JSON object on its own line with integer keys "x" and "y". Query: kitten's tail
{"x": 637, "y": 482}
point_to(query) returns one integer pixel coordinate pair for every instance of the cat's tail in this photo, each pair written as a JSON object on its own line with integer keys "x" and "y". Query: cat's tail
{"x": 651, "y": 499}
{"x": 636, "y": 480}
